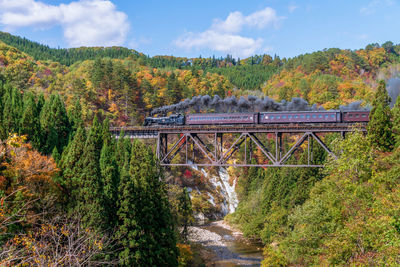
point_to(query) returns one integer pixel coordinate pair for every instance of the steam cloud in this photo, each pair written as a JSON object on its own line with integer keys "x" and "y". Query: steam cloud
{"x": 251, "y": 104}
{"x": 393, "y": 88}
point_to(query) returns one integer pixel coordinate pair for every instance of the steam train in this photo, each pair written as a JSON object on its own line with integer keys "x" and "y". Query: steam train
{"x": 331, "y": 116}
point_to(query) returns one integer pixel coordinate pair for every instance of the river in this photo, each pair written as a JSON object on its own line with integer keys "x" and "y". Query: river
{"x": 221, "y": 245}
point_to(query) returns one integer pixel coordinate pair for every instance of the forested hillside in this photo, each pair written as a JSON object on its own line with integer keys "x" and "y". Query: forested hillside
{"x": 63, "y": 179}
{"x": 122, "y": 84}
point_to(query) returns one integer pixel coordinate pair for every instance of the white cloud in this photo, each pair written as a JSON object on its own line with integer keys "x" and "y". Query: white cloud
{"x": 233, "y": 44}
{"x": 223, "y": 35}
{"x": 84, "y": 22}
{"x": 263, "y": 18}
{"x": 373, "y": 5}
{"x": 292, "y": 8}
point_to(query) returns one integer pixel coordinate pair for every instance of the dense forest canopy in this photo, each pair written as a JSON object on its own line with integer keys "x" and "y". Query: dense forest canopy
{"x": 125, "y": 84}
{"x": 64, "y": 179}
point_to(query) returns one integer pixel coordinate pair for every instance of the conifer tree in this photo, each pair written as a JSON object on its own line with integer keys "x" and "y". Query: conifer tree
{"x": 97, "y": 72}
{"x": 30, "y": 120}
{"x": 146, "y": 228}
{"x": 380, "y": 124}
{"x": 396, "y": 122}
{"x": 75, "y": 115}
{"x": 90, "y": 203}
{"x": 110, "y": 176}
{"x": 61, "y": 123}
{"x": 12, "y": 110}
{"x": 2, "y": 92}
{"x": 72, "y": 165}
{"x": 185, "y": 212}
{"x": 123, "y": 150}
{"x": 55, "y": 126}
{"x": 56, "y": 156}
{"x": 40, "y": 102}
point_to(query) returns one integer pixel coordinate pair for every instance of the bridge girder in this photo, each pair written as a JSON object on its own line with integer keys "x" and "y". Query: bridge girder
{"x": 216, "y": 156}
{"x": 210, "y": 146}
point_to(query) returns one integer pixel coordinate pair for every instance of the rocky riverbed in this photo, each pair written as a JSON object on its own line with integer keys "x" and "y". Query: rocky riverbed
{"x": 221, "y": 245}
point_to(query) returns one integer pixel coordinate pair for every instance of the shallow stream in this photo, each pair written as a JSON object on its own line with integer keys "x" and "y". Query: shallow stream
{"x": 229, "y": 246}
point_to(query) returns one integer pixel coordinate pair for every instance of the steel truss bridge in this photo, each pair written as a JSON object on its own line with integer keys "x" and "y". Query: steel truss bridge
{"x": 216, "y": 145}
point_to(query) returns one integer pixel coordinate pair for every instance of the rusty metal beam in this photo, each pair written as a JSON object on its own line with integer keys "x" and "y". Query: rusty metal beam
{"x": 323, "y": 145}
{"x": 229, "y": 151}
{"x": 293, "y": 149}
{"x": 218, "y": 156}
{"x": 173, "y": 147}
{"x": 241, "y": 165}
{"x": 262, "y": 147}
{"x": 200, "y": 147}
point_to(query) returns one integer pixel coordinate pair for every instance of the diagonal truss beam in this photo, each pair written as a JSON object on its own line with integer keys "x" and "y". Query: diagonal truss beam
{"x": 218, "y": 158}
{"x": 293, "y": 149}
{"x": 203, "y": 144}
{"x": 262, "y": 147}
{"x": 200, "y": 147}
{"x": 173, "y": 148}
{"x": 323, "y": 145}
{"x": 234, "y": 147}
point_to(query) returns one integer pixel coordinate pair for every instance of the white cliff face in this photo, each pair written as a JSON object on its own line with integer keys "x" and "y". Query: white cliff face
{"x": 230, "y": 194}
{"x": 226, "y": 190}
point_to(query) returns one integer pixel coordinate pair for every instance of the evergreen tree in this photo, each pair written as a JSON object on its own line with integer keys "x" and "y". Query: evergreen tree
{"x": 55, "y": 126}
{"x": 61, "y": 123}
{"x": 56, "y": 156}
{"x": 30, "y": 120}
{"x": 110, "y": 176}
{"x": 72, "y": 165}
{"x": 97, "y": 74}
{"x": 396, "y": 122}
{"x": 2, "y": 92}
{"x": 146, "y": 228}
{"x": 40, "y": 102}
{"x": 185, "y": 212}
{"x": 380, "y": 124}
{"x": 12, "y": 110}
{"x": 90, "y": 203}
{"x": 123, "y": 150}
{"x": 75, "y": 115}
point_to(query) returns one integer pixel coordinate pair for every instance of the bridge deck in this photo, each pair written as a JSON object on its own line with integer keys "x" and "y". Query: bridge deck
{"x": 286, "y": 128}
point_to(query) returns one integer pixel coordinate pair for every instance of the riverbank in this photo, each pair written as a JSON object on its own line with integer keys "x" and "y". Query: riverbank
{"x": 222, "y": 245}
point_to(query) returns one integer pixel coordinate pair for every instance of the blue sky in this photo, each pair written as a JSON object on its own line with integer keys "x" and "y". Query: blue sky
{"x": 207, "y": 28}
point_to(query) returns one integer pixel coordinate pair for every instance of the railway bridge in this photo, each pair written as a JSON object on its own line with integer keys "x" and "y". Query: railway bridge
{"x": 218, "y": 145}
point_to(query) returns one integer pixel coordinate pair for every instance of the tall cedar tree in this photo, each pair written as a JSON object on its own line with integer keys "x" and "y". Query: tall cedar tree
{"x": 75, "y": 115}
{"x": 124, "y": 149}
{"x": 55, "y": 126}
{"x": 109, "y": 176}
{"x": 185, "y": 212}
{"x": 380, "y": 124}
{"x": 12, "y": 110}
{"x": 30, "y": 120}
{"x": 90, "y": 202}
{"x": 146, "y": 229}
{"x": 72, "y": 166}
{"x": 396, "y": 122}
{"x": 2, "y": 130}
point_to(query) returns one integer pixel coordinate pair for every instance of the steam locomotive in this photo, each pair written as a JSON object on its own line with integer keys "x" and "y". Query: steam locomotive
{"x": 331, "y": 116}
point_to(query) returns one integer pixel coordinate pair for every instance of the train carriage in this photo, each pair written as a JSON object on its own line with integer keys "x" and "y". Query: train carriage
{"x": 330, "y": 116}
{"x": 222, "y": 118}
{"x": 355, "y": 116}
{"x": 300, "y": 117}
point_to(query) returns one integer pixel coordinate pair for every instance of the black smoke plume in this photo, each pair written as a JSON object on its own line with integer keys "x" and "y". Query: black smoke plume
{"x": 233, "y": 104}
{"x": 242, "y": 104}
{"x": 393, "y": 88}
